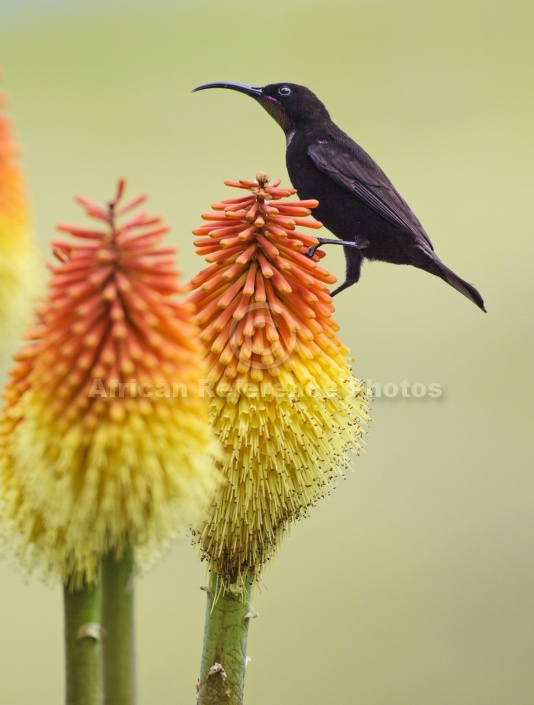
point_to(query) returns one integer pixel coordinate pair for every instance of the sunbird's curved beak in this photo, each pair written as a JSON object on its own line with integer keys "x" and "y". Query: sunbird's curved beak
{"x": 253, "y": 91}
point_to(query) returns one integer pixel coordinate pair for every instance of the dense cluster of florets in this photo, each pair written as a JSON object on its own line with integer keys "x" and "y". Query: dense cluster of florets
{"x": 286, "y": 406}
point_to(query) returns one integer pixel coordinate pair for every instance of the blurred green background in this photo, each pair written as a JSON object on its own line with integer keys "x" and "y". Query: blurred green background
{"x": 413, "y": 583}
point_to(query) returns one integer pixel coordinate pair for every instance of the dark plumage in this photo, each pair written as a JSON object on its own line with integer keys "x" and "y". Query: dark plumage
{"x": 357, "y": 201}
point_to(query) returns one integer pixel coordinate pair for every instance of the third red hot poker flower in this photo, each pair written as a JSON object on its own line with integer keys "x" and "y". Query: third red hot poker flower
{"x": 17, "y": 256}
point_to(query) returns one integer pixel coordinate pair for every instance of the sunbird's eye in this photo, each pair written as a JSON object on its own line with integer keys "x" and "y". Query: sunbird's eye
{"x": 284, "y": 90}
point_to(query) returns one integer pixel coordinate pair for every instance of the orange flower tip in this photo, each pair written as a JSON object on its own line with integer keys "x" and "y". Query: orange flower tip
{"x": 217, "y": 348}
{"x": 284, "y": 288}
{"x": 236, "y": 316}
{"x": 85, "y": 233}
{"x": 245, "y": 354}
{"x": 120, "y": 332}
{"x": 234, "y": 215}
{"x": 93, "y": 209}
{"x": 189, "y": 307}
{"x": 23, "y": 354}
{"x": 123, "y": 284}
{"x": 286, "y": 223}
{"x": 121, "y": 184}
{"x": 117, "y": 314}
{"x": 78, "y": 329}
{"x": 139, "y": 200}
{"x": 283, "y": 264}
{"x": 226, "y": 357}
{"x": 105, "y": 256}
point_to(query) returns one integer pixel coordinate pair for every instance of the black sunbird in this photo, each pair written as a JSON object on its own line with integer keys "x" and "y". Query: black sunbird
{"x": 357, "y": 201}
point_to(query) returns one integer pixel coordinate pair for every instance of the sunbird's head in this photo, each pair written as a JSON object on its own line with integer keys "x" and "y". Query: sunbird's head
{"x": 288, "y": 103}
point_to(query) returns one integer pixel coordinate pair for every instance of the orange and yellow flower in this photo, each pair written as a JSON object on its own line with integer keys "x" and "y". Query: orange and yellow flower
{"x": 105, "y": 441}
{"x": 17, "y": 258}
{"x": 285, "y": 404}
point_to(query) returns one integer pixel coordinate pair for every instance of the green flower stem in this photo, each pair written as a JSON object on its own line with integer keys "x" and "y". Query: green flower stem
{"x": 222, "y": 670}
{"x": 83, "y": 646}
{"x": 118, "y": 629}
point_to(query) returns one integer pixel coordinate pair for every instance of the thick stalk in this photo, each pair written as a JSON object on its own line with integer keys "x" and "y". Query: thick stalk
{"x": 83, "y": 646}
{"x": 224, "y": 655}
{"x": 118, "y": 629}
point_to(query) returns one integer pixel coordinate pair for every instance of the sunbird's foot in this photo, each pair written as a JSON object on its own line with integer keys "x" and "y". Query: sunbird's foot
{"x": 358, "y": 244}
{"x": 345, "y": 285}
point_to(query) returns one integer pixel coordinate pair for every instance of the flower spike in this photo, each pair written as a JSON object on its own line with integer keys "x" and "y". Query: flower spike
{"x": 104, "y": 438}
{"x": 17, "y": 256}
{"x": 285, "y": 404}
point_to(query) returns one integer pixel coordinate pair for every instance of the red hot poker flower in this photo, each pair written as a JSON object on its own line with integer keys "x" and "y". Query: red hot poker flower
{"x": 285, "y": 404}
{"x": 104, "y": 438}
{"x": 17, "y": 256}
